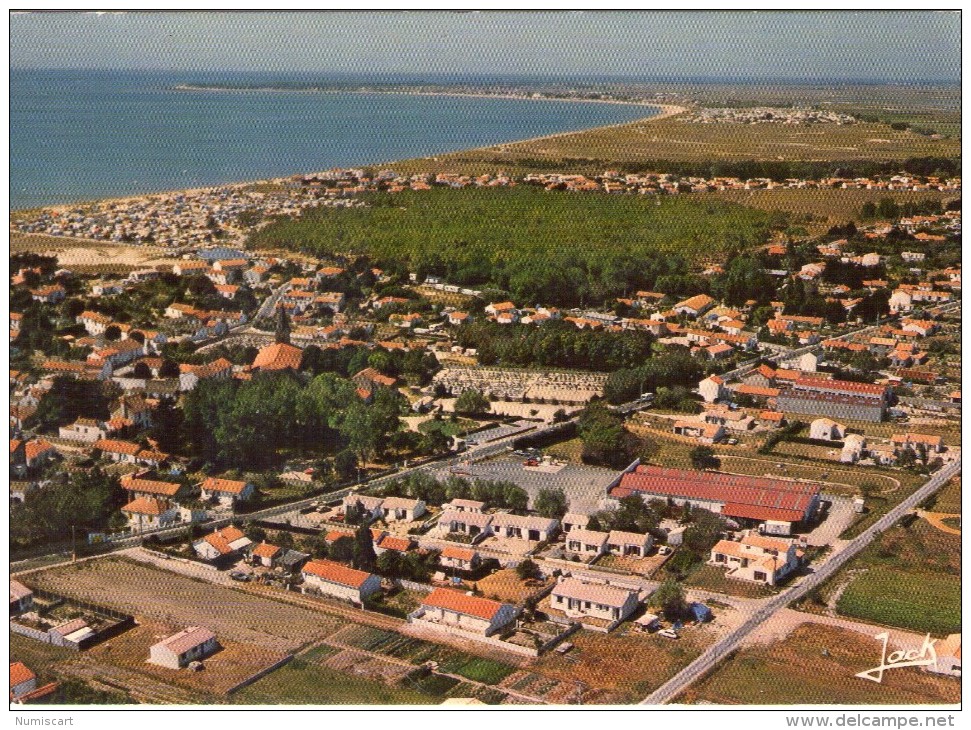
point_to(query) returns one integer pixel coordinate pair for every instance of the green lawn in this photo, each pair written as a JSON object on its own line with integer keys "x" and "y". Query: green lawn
{"x": 916, "y": 601}
{"x": 486, "y": 671}
{"x": 303, "y": 683}
{"x": 449, "y": 427}
{"x": 712, "y": 578}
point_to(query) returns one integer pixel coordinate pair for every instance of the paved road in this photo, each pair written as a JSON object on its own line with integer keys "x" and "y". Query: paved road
{"x": 716, "y": 653}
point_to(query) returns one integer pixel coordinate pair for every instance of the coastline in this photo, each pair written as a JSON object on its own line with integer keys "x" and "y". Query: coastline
{"x": 666, "y": 110}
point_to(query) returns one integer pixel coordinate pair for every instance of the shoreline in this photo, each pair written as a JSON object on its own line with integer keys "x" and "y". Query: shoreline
{"x": 666, "y": 110}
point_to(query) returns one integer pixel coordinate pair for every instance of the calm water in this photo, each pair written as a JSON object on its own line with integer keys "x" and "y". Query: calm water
{"x": 87, "y": 135}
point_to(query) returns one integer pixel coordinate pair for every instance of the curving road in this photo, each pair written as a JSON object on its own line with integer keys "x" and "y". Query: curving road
{"x": 719, "y": 651}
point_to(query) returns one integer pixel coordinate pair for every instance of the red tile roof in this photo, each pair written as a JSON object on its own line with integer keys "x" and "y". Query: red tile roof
{"x": 336, "y": 573}
{"x": 265, "y": 550}
{"x": 761, "y": 496}
{"x": 146, "y": 506}
{"x": 229, "y": 486}
{"x": 461, "y": 603}
{"x": 20, "y": 672}
{"x": 457, "y": 553}
{"x": 843, "y": 386}
{"x": 279, "y": 356}
{"x": 118, "y": 447}
{"x": 150, "y": 486}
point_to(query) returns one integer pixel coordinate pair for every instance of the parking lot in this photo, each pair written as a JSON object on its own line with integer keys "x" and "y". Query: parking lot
{"x": 583, "y": 485}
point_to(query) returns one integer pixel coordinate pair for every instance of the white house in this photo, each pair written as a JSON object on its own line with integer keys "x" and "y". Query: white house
{"x": 229, "y": 541}
{"x": 466, "y": 523}
{"x": 459, "y": 558}
{"x": 370, "y": 506}
{"x": 21, "y": 597}
{"x": 712, "y": 388}
{"x": 148, "y": 513}
{"x": 629, "y": 544}
{"x": 189, "y": 645}
{"x": 226, "y": 491}
{"x": 589, "y": 543}
{"x": 83, "y": 429}
{"x": 854, "y": 445}
{"x": 574, "y": 521}
{"x": 266, "y": 554}
{"x": 328, "y": 578}
{"x": 464, "y": 505}
{"x": 756, "y": 558}
{"x": 824, "y": 429}
{"x": 534, "y": 529}
{"x": 477, "y": 616}
{"x": 607, "y": 604}
{"x": 901, "y": 301}
{"x": 395, "y": 509}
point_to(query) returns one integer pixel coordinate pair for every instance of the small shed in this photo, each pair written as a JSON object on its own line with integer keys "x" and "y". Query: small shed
{"x": 648, "y": 622}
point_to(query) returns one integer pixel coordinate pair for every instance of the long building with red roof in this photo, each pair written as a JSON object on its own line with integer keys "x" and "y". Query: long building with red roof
{"x": 742, "y": 498}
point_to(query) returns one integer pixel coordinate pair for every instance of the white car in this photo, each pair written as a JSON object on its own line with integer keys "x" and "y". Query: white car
{"x": 668, "y": 634}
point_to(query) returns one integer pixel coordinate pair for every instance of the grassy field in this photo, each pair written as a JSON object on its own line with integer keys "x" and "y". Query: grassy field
{"x": 816, "y": 664}
{"x": 306, "y": 683}
{"x": 712, "y": 578}
{"x": 675, "y": 138}
{"x": 628, "y": 665}
{"x": 478, "y": 669}
{"x": 916, "y": 601}
{"x": 949, "y": 498}
{"x": 504, "y": 585}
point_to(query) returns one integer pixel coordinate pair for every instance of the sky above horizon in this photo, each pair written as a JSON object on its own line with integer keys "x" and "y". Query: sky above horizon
{"x": 888, "y": 46}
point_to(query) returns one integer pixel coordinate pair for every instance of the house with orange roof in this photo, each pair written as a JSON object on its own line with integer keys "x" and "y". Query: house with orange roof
{"x": 23, "y": 685}
{"x": 757, "y": 558}
{"x": 278, "y": 356}
{"x": 459, "y": 558}
{"x": 712, "y": 388}
{"x": 119, "y": 451}
{"x": 226, "y": 491}
{"x": 266, "y": 554}
{"x": 386, "y": 542}
{"x": 150, "y": 513}
{"x": 458, "y": 612}
{"x": 695, "y": 306}
{"x": 327, "y": 578}
{"x": 223, "y": 544}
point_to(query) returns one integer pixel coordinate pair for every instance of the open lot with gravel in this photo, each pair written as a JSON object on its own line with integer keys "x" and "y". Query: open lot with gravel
{"x": 583, "y": 485}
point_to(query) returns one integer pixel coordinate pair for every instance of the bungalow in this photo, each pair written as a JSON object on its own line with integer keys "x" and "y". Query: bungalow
{"x": 226, "y": 491}
{"x": 225, "y": 543}
{"x": 386, "y": 542}
{"x": 533, "y": 529}
{"x": 705, "y": 433}
{"x": 402, "y": 509}
{"x": 51, "y": 294}
{"x": 626, "y": 544}
{"x": 38, "y": 451}
{"x": 179, "y": 650}
{"x": 23, "y": 685}
{"x": 327, "y": 578}
{"x": 119, "y": 451}
{"x": 589, "y": 543}
{"x": 458, "y": 318}
{"x": 854, "y": 446}
{"x": 572, "y": 521}
{"x": 459, "y": 558}
{"x": 916, "y": 441}
{"x": 695, "y": 306}
{"x": 148, "y": 513}
{"x": 464, "y": 505}
{"x": 824, "y": 429}
{"x": 21, "y": 597}
{"x": 266, "y": 554}
{"x": 720, "y": 351}
{"x": 607, "y": 604}
{"x": 370, "y": 508}
{"x": 757, "y": 558}
{"x": 465, "y": 523}
{"x": 475, "y": 615}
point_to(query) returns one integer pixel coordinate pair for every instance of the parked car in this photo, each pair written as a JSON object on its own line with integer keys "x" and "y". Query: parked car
{"x": 668, "y": 634}
{"x": 664, "y": 550}
{"x": 240, "y": 576}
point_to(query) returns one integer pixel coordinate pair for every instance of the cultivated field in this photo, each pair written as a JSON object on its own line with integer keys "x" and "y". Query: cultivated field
{"x": 919, "y": 601}
{"x": 816, "y": 664}
{"x": 179, "y": 601}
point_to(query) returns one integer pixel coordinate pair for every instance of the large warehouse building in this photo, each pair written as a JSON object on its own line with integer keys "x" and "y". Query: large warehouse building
{"x": 774, "y": 504}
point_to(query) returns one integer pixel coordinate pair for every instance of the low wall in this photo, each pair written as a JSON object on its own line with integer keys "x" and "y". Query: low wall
{"x": 260, "y": 674}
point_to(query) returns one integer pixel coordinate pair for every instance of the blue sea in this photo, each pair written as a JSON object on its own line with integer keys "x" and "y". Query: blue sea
{"x": 84, "y": 135}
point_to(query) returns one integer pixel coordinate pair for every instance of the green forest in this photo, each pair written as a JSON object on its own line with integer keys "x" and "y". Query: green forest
{"x": 560, "y": 248}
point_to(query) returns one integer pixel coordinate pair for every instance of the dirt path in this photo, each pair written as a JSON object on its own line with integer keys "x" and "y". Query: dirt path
{"x": 936, "y": 519}
{"x": 773, "y": 462}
